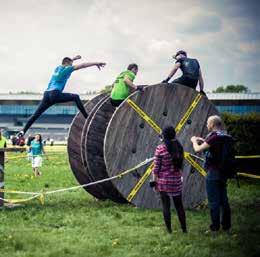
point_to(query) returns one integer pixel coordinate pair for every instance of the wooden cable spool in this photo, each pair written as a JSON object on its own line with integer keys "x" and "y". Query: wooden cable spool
{"x": 115, "y": 140}
{"x": 74, "y": 147}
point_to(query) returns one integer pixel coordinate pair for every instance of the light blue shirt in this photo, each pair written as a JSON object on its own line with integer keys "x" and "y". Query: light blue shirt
{"x": 59, "y": 78}
{"x": 36, "y": 148}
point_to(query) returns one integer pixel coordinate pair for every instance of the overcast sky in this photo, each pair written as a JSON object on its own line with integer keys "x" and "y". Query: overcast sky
{"x": 223, "y": 35}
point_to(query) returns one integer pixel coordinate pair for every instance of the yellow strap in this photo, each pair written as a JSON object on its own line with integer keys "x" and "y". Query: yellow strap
{"x": 140, "y": 183}
{"x": 194, "y": 164}
{"x": 148, "y": 119}
{"x": 248, "y": 175}
{"x": 247, "y": 157}
{"x": 188, "y": 113}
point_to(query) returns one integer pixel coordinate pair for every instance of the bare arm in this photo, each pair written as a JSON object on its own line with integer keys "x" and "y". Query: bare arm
{"x": 173, "y": 71}
{"x": 77, "y": 57}
{"x": 130, "y": 83}
{"x": 89, "y": 64}
{"x": 199, "y": 147}
{"x": 201, "y": 81}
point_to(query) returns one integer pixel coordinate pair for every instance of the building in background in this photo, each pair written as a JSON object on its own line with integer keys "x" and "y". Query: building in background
{"x": 15, "y": 109}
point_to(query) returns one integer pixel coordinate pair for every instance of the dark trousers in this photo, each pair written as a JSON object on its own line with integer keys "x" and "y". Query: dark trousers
{"x": 186, "y": 81}
{"x": 218, "y": 202}
{"x": 53, "y": 97}
{"x": 166, "y": 204}
{"x": 116, "y": 103}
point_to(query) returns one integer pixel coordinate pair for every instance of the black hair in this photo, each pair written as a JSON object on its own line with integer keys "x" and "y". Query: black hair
{"x": 40, "y": 140}
{"x": 66, "y": 60}
{"x": 181, "y": 52}
{"x": 132, "y": 66}
{"x": 173, "y": 146}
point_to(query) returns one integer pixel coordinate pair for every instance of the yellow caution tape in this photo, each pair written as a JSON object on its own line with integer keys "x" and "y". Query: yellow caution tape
{"x": 188, "y": 113}
{"x": 140, "y": 183}
{"x": 194, "y": 164}
{"x": 247, "y": 157}
{"x": 148, "y": 119}
{"x": 248, "y": 175}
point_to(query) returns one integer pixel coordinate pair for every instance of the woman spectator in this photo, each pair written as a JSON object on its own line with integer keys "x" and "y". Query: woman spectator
{"x": 168, "y": 178}
{"x": 37, "y": 151}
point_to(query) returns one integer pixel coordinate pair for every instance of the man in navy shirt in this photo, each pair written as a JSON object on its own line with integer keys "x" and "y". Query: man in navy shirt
{"x": 216, "y": 184}
{"x": 191, "y": 71}
{"x": 54, "y": 94}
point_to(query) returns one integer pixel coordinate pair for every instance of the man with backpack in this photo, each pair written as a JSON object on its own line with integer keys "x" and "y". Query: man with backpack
{"x": 219, "y": 164}
{"x": 191, "y": 71}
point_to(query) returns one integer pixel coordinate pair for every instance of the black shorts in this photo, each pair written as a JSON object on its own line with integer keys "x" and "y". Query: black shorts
{"x": 116, "y": 103}
{"x": 186, "y": 81}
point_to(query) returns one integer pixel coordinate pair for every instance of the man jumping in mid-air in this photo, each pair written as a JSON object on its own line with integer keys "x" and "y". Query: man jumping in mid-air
{"x": 54, "y": 94}
{"x": 191, "y": 71}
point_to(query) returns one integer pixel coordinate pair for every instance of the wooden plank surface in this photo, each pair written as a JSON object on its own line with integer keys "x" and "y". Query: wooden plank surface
{"x": 94, "y": 154}
{"x": 130, "y": 140}
{"x": 74, "y": 151}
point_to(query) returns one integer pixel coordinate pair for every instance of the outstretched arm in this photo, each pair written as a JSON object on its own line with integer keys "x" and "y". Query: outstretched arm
{"x": 174, "y": 70}
{"x": 89, "y": 64}
{"x": 130, "y": 83}
{"x": 201, "y": 81}
{"x": 77, "y": 57}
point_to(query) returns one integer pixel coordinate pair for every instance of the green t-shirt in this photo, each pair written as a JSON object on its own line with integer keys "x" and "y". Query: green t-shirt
{"x": 3, "y": 142}
{"x": 120, "y": 89}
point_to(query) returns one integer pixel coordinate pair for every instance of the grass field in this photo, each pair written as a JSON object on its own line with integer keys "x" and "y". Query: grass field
{"x": 74, "y": 224}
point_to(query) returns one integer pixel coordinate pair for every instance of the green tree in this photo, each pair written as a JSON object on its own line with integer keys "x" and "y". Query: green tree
{"x": 231, "y": 89}
{"x": 107, "y": 89}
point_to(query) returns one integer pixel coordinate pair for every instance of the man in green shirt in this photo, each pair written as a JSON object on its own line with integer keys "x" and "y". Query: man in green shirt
{"x": 3, "y": 142}
{"x": 124, "y": 85}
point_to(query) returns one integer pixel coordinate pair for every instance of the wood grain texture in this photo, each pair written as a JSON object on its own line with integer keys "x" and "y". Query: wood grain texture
{"x": 94, "y": 143}
{"x": 130, "y": 140}
{"x": 74, "y": 150}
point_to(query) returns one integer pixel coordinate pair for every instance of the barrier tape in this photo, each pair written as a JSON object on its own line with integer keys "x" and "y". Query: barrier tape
{"x": 140, "y": 183}
{"x": 247, "y": 157}
{"x": 188, "y": 113}
{"x": 144, "y": 116}
{"x": 248, "y": 175}
{"x": 194, "y": 164}
{"x": 30, "y": 156}
{"x": 151, "y": 122}
{"x": 41, "y": 195}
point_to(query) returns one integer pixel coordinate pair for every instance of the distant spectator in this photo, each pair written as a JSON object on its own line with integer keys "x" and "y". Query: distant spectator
{"x": 3, "y": 141}
{"x": 37, "y": 151}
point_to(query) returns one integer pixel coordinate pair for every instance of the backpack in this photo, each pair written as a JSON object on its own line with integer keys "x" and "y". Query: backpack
{"x": 226, "y": 164}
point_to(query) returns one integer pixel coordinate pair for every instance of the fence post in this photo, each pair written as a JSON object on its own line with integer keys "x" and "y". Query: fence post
{"x": 2, "y": 161}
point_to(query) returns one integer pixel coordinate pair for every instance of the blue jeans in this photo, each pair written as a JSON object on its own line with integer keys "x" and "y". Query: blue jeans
{"x": 218, "y": 201}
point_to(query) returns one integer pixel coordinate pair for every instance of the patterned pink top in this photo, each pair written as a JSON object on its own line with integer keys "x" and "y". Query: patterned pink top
{"x": 168, "y": 177}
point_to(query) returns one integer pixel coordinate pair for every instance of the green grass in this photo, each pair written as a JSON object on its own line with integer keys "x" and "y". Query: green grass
{"x": 74, "y": 224}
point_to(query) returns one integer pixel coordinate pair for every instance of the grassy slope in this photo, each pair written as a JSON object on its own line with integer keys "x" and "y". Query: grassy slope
{"x": 74, "y": 224}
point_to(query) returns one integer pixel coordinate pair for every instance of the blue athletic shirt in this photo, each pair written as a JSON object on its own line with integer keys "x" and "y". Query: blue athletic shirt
{"x": 36, "y": 148}
{"x": 59, "y": 78}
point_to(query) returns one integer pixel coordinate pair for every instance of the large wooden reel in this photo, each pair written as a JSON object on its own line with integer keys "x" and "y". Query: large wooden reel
{"x": 112, "y": 140}
{"x": 130, "y": 140}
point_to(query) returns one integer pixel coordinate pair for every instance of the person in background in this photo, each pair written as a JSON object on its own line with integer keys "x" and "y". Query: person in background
{"x": 53, "y": 94}
{"x": 191, "y": 72}
{"x": 216, "y": 184}
{"x": 28, "y": 144}
{"x": 167, "y": 176}
{"x": 3, "y": 141}
{"x": 123, "y": 85}
{"x": 37, "y": 151}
